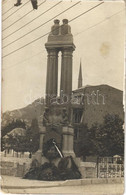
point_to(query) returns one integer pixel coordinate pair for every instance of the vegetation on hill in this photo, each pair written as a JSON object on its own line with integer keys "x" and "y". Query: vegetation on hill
{"x": 26, "y": 114}
{"x": 12, "y": 125}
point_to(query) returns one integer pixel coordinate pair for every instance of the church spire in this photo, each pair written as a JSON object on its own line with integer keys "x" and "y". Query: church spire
{"x": 80, "y": 77}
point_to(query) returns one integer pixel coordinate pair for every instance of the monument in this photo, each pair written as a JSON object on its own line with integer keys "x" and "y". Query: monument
{"x": 56, "y": 131}
{"x": 57, "y": 115}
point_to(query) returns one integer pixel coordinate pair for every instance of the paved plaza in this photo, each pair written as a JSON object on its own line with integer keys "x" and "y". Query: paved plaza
{"x": 18, "y": 186}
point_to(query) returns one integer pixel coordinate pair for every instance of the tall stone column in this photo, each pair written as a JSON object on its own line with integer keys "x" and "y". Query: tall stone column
{"x": 66, "y": 71}
{"x": 52, "y": 74}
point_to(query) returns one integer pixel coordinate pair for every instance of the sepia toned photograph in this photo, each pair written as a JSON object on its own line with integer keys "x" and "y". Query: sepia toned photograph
{"x": 62, "y": 110}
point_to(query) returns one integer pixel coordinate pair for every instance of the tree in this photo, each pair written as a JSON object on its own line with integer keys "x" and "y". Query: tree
{"x": 12, "y": 125}
{"x": 33, "y": 136}
{"x": 96, "y": 137}
{"x": 105, "y": 139}
{"x": 19, "y": 143}
{"x": 83, "y": 145}
{"x": 18, "y": 123}
{"x": 108, "y": 138}
{"x": 113, "y": 135}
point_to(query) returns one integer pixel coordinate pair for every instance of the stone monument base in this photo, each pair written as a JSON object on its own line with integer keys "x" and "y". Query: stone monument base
{"x": 67, "y": 144}
{"x": 69, "y": 153}
{"x": 67, "y": 147}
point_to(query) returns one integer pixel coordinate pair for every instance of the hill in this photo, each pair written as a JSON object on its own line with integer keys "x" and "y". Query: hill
{"x": 34, "y": 110}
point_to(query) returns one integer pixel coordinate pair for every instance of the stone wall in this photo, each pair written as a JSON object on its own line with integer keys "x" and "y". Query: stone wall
{"x": 13, "y": 169}
{"x": 88, "y": 169}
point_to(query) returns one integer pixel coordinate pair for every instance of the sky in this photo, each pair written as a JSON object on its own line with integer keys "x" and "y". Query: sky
{"x": 98, "y": 37}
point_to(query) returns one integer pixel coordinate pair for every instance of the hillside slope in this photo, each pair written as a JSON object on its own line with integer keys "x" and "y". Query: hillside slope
{"x": 34, "y": 110}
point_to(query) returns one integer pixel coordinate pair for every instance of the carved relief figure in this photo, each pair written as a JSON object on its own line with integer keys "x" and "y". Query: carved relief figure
{"x": 46, "y": 117}
{"x": 65, "y": 117}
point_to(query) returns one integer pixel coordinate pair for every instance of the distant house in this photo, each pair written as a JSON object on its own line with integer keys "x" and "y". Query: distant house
{"x": 17, "y": 132}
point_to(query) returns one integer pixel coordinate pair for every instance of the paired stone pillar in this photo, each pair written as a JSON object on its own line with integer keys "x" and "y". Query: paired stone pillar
{"x": 67, "y": 145}
{"x": 52, "y": 74}
{"x": 66, "y": 72}
{"x": 60, "y": 39}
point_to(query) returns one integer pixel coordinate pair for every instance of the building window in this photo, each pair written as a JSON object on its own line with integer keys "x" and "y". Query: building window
{"x": 77, "y": 115}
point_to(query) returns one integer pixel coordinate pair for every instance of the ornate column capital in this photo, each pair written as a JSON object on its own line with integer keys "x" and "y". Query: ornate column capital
{"x": 52, "y": 52}
{"x": 67, "y": 52}
{"x": 67, "y": 49}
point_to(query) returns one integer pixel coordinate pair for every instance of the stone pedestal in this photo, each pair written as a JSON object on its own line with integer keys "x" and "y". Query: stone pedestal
{"x": 38, "y": 155}
{"x": 67, "y": 145}
{"x": 42, "y": 134}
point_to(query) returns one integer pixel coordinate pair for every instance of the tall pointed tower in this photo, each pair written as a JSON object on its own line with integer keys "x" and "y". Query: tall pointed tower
{"x": 80, "y": 80}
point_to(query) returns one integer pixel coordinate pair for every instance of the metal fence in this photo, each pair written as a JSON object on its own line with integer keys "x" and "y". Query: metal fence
{"x": 110, "y": 167}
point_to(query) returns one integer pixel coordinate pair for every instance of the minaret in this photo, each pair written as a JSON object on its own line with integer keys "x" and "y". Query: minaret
{"x": 80, "y": 77}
